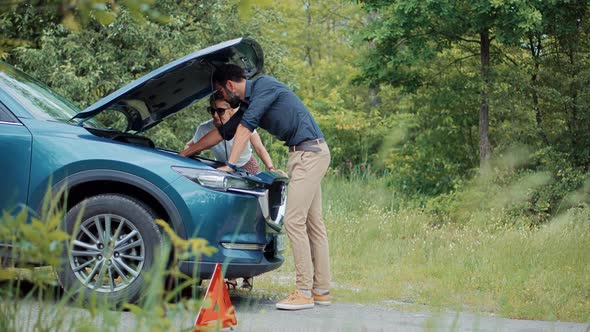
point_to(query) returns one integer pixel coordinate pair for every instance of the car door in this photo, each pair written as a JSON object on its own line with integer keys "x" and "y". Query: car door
{"x": 15, "y": 161}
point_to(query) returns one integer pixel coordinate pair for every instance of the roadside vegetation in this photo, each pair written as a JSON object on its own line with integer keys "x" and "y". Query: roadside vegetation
{"x": 389, "y": 251}
{"x": 477, "y": 262}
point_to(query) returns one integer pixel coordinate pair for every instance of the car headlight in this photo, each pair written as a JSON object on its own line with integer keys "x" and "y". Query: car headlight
{"x": 214, "y": 179}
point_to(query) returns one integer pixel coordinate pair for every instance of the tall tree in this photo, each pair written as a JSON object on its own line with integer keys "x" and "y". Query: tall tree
{"x": 563, "y": 74}
{"x": 321, "y": 63}
{"x": 408, "y": 34}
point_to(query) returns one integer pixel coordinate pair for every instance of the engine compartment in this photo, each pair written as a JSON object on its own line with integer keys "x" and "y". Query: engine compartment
{"x": 145, "y": 142}
{"x": 123, "y": 137}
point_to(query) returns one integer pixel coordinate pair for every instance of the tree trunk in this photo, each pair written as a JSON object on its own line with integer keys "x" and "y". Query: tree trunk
{"x": 374, "y": 99}
{"x": 485, "y": 148}
{"x": 308, "y": 27}
{"x": 573, "y": 123}
{"x": 536, "y": 54}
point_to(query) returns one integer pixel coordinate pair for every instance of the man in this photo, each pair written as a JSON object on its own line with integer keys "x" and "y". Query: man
{"x": 274, "y": 107}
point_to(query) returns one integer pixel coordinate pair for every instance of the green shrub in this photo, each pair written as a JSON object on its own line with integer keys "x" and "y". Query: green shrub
{"x": 464, "y": 251}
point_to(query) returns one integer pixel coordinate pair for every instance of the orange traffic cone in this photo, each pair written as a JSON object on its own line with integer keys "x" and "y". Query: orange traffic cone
{"x": 219, "y": 312}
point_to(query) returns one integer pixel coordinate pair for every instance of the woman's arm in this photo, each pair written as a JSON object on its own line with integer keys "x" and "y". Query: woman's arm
{"x": 261, "y": 150}
{"x": 211, "y": 139}
{"x": 189, "y": 144}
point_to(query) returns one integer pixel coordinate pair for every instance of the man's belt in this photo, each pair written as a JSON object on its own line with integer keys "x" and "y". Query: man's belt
{"x": 307, "y": 145}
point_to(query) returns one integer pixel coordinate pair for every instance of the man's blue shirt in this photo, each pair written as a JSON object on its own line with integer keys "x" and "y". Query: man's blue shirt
{"x": 274, "y": 107}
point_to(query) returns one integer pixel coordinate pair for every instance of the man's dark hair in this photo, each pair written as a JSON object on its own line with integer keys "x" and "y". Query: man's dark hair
{"x": 228, "y": 72}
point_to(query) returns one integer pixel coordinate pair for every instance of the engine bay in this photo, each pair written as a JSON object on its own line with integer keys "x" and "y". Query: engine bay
{"x": 145, "y": 142}
{"x": 123, "y": 137}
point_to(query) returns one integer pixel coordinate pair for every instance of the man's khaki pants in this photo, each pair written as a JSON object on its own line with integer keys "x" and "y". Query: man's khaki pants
{"x": 303, "y": 219}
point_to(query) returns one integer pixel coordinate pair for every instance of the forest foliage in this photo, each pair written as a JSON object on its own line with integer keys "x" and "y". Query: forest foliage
{"x": 426, "y": 94}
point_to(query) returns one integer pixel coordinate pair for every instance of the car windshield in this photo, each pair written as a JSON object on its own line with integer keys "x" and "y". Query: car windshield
{"x": 37, "y": 98}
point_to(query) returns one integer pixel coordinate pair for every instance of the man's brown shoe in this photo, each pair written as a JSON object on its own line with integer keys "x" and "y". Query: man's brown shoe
{"x": 323, "y": 299}
{"x": 296, "y": 301}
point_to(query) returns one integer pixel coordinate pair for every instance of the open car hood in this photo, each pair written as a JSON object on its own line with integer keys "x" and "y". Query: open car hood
{"x": 170, "y": 88}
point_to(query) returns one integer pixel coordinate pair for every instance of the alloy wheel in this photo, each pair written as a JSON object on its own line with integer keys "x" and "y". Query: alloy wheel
{"x": 108, "y": 253}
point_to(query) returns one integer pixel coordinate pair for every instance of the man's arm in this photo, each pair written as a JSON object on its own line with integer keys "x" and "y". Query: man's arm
{"x": 241, "y": 138}
{"x": 261, "y": 150}
{"x": 211, "y": 139}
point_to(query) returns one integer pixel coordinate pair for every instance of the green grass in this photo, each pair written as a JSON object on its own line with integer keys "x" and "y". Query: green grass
{"x": 382, "y": 253}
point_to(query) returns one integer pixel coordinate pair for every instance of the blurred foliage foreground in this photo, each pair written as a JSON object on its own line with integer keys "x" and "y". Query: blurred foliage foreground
{"x": 37, "y": 247}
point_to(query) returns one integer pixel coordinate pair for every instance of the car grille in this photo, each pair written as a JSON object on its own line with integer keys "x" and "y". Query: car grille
{"x": 276, "y": 198}
{"x": 273, "y": 204}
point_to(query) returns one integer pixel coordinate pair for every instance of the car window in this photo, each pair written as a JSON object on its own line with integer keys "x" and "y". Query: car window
{"x": 6, "y": 115}
{"x": 37, "y": 98}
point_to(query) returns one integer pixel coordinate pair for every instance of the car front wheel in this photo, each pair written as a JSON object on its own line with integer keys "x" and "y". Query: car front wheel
{"x": 114, "y": 242}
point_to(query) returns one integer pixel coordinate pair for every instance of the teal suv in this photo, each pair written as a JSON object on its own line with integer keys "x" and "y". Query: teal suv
{"x": 119, "y": 182}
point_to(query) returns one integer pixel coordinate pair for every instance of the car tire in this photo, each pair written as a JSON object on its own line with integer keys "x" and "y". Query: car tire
{"x": 111, "y": 266}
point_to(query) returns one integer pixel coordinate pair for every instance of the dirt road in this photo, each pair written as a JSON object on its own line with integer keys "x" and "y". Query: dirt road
{"x": 261, "y": 315}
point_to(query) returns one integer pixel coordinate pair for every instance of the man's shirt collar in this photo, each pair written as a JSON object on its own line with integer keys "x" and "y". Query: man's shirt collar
{"x": 248, "y": 93}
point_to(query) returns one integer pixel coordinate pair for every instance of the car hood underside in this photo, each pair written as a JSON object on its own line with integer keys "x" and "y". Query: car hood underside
{"x": 169, "y": 89}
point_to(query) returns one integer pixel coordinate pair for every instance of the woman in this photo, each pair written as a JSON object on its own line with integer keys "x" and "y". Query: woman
{"x": 221, "y": 112}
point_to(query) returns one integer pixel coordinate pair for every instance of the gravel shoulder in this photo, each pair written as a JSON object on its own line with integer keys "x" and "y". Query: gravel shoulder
{"x": 259, "y": 314}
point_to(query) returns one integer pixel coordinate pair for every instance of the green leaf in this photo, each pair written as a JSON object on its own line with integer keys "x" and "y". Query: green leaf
{"x": 104, "y": 16}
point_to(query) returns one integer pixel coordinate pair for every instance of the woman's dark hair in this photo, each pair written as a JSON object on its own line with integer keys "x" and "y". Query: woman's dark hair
{"x": 215, "y": 96}
{"x": 228, "y": 72}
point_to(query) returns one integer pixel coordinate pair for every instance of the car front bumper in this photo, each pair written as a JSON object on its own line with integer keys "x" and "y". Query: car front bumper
{"x": 228, "y": 220}
{"x": 204, "y": 270}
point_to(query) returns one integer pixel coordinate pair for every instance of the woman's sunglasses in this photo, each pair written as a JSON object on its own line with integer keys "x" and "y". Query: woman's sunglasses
{"x": 219, "y": 111}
